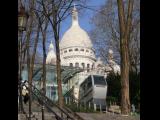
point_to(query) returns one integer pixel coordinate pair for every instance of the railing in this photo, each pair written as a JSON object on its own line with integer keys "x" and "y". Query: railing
{"x": 49, "y": 104}
{"x": 75, "y": 104}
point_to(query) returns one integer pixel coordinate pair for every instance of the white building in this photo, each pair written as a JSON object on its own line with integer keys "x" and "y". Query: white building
{"x": 76, "y": 50}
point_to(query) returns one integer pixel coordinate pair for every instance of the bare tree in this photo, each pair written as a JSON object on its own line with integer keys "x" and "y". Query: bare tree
{"x": 106, "y": 34}
{"x": 125, "y": 26}
{"x": 121, "y": 33}
{"x": 55, "y": 12}
{"x": 43, "y": 13}
{"x": 43, "y": 22}
{"x": 30, "y": 45}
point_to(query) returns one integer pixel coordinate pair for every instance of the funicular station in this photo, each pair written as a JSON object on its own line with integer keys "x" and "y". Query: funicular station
{"x": 51, "y": 82}
{"x": 78, "y": 86}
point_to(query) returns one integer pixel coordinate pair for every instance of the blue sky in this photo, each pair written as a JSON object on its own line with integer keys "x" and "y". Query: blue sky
{"x": 84, "y": 19}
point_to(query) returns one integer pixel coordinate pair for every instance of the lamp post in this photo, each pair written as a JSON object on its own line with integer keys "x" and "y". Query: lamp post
{"x": 22, "y": 21}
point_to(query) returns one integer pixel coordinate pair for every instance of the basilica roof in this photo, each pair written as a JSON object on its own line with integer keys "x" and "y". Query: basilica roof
{"x": 75, "y": 36}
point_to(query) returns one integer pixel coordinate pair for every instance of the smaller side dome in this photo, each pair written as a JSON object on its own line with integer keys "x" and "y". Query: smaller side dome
{"x": 51, "y": 56}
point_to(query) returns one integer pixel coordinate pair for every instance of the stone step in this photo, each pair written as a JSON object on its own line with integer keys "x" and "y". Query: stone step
{"x": 37, "y": 116}
{"x": 36, "y": 108}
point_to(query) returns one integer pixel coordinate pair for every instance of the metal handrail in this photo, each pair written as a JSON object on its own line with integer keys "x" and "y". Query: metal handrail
{"x": 44, "y": 99}
{"x": 70, "y": 94}
{"x": 57, "y": 116}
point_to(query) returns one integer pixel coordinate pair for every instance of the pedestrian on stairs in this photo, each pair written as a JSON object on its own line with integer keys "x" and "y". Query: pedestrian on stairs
{"x": 25, "y": 94}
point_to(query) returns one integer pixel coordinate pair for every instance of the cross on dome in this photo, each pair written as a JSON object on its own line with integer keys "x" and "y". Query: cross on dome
{"x": 74, "y": 15}
{"x": 74, "y": 6}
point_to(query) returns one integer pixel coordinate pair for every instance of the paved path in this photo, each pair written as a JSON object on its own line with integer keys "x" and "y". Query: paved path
{"x": 107, "y": 116}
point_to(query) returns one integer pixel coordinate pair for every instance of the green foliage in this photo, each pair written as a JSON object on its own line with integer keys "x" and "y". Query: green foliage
{"x": 114, "y": 88}
{"x": 134, "y": 88}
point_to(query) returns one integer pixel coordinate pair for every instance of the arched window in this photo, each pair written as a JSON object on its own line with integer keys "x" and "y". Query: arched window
{"x": 76, "y": 49}
{"x": 83, "y": 65}
{"x": 87, "y": 50}
{"x": 76, "y": 64}
{"x": 93, "y": 66}
{"x": 70, "y": 50}
{"x": 82, "y": 49}
{"x": 88, "y": 66}
{"x": 71, "y": 64}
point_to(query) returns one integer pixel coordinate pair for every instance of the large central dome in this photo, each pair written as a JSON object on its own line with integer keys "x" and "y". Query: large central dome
{"x": 75, "y": 36}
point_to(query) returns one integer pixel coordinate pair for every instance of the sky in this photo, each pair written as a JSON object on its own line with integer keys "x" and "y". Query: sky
{"x": 84, "y": 19}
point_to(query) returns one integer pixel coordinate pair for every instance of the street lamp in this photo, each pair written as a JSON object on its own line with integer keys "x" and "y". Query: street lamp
{"x": 22, "y": 22}
{"x": 22, "y": 19}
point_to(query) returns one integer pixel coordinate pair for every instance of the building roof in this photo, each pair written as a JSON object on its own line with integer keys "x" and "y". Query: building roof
{"x": 75, "y": 35}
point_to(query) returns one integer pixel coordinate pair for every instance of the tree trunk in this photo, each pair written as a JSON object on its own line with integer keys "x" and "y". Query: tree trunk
{"x": 44, "y": 55}
{"x": 56, "y": 15}
{"x": 125, "y": 26}
{"x": 125, "y": 100}
{"x": 28, "y": 59}
{"x": 44, "y": 64}
{"x": 30, "y": 70}
{"x": 20, "y": 71}
{"x": 55, "y": 27}
{"x": 58, "y": 65}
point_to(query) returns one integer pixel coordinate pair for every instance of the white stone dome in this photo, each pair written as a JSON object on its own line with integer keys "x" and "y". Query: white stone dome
{"x": 75, "y": 36}
{"x": 76, "y": 48}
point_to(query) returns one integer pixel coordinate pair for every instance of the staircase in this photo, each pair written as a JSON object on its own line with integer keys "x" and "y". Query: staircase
{"x": 52, "y": 110}
{"x": 37, "y": 116}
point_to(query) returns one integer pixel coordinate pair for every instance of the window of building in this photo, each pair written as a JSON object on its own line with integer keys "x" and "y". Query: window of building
{"x": 83, "y": 65}
{"x": 93, "y": 66}
{"x": 89, "y": 82}
{"x": 65, "y": 51}
{"x": 53, "y": 92}
{"x": 70, "y": 50}
{"x": 88, "y": 66}
{"x": 82, "y": 49}
{"x": 76, "y": 49}
{"x": 71, "y": 64}
{"x": 99, "y": 80}
{"x": 76, "y": 64}
{"x": 87, "y": 50}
